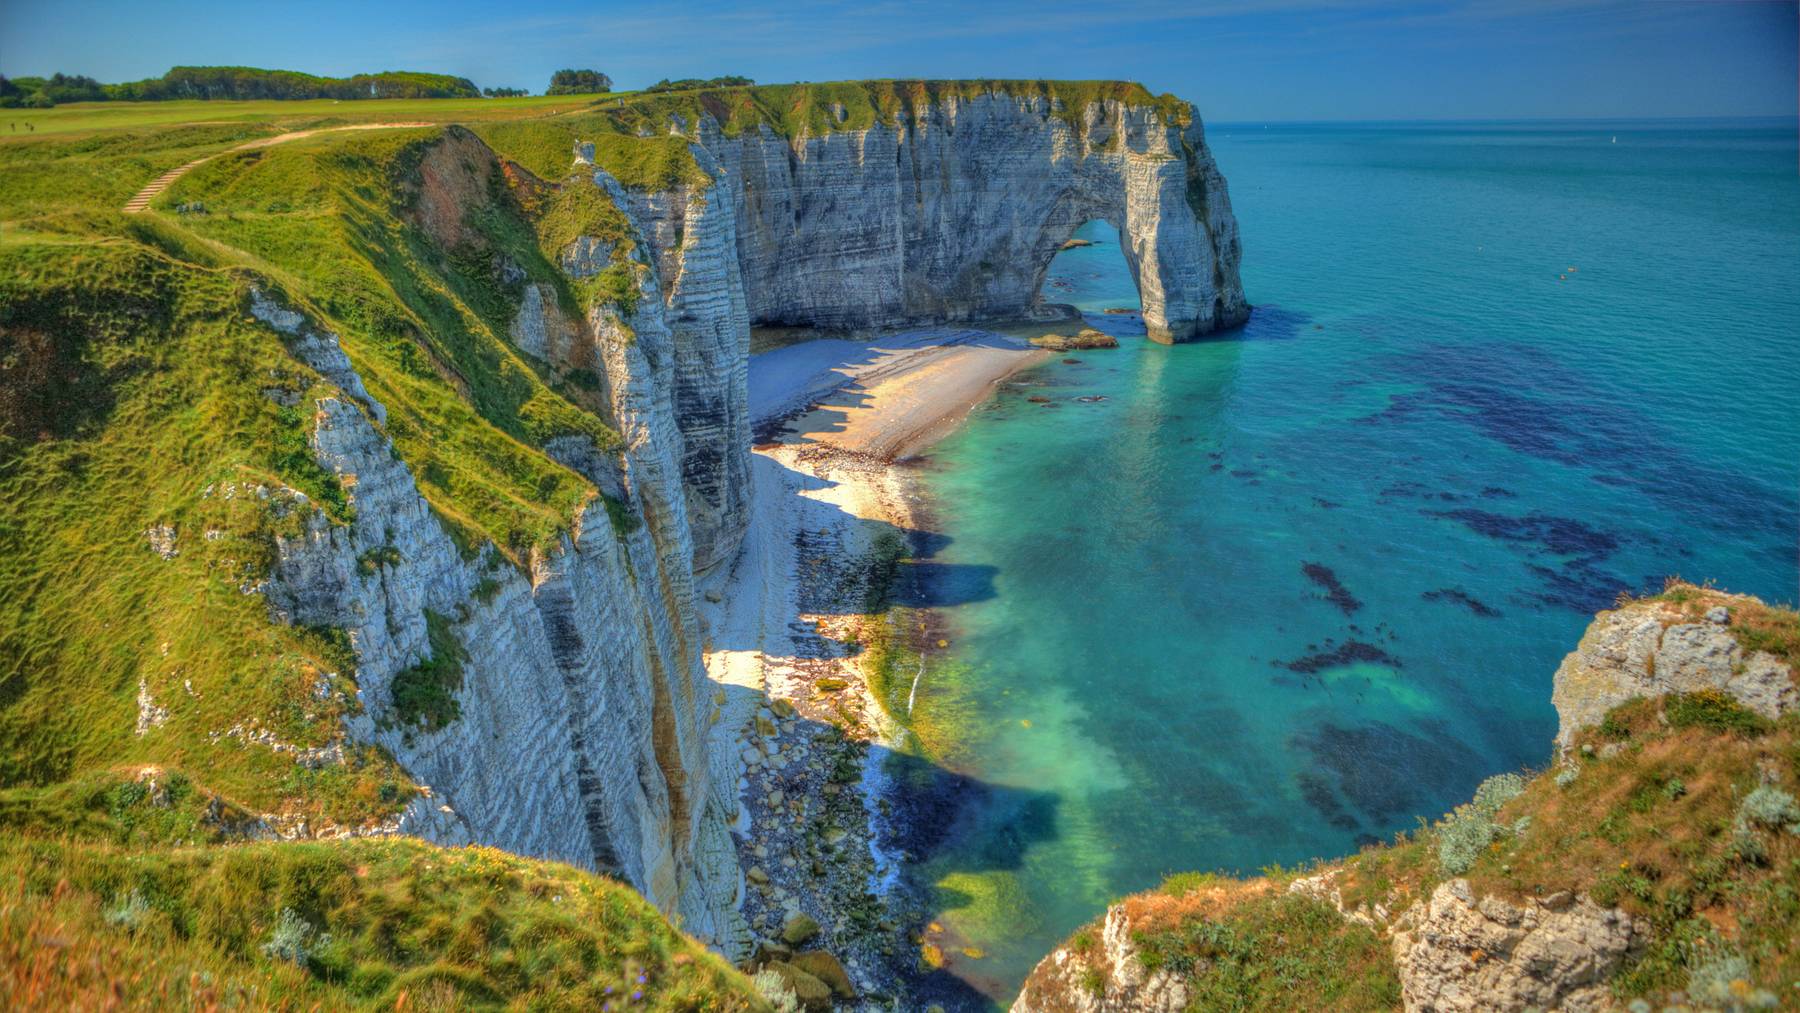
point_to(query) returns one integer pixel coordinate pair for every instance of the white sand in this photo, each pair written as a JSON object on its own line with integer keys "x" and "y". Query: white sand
{"x": 888, "y": 398}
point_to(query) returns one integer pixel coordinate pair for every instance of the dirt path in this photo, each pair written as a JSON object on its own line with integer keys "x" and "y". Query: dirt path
{"x": 142, "y": 199}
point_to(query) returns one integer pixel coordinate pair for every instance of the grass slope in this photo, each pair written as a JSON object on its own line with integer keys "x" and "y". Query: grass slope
{"x": 141, "y": 406}
{"x": 379, "y": 924}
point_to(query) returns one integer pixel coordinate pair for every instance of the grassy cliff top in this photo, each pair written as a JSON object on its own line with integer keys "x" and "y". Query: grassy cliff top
{"x": 351, "y": 924}
{"x": 791, "y": 110}
{"x": 786, "y": 107}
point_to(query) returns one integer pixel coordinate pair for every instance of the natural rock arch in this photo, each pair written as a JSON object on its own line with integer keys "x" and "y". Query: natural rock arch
{"x": 953, "y": 211}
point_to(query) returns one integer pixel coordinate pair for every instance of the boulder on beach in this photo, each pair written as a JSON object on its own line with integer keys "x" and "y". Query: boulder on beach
{"x": 828, "y": 969}
{"x": 1086, "y": 338}
{"x": 798, "y": 929}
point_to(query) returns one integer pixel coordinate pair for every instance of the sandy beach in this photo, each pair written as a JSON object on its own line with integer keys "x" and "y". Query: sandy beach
{"x": 782, "y": 621}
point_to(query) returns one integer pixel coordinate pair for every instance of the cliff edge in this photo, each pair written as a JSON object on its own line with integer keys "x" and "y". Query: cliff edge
{"x": 1654, "y": 865}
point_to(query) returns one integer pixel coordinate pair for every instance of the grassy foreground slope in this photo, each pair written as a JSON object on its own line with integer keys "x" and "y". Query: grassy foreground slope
{"x": 1679, "y": 810}
{"x": 389, "y": 924}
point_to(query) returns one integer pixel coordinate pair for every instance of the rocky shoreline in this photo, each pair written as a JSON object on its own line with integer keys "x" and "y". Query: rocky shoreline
{"x": 791, "y": 626}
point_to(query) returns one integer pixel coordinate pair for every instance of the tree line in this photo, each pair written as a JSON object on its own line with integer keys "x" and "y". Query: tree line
{"x": 689, "y": 83}
{"x": 256, "y": 83}
{"x": 232, "y": 83}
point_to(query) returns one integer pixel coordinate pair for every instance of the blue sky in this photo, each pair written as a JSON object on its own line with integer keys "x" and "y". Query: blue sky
{"x": 1248, "y": 60}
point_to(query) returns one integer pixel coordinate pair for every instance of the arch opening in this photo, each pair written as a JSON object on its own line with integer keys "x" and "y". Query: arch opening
{"x": 1092, "y": 271}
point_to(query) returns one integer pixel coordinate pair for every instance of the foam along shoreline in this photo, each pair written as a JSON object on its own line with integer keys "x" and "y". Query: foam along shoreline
{"x": 782, "y": 620}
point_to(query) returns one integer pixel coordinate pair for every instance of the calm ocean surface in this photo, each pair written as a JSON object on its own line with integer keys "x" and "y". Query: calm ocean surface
{"x": 1282, "y": 592}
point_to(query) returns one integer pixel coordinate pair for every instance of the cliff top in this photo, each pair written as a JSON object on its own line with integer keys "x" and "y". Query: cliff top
{"x": 817, "y": 108}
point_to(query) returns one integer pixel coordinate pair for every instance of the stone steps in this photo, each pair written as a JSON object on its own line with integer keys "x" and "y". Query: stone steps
{"x": 143, "y": 197}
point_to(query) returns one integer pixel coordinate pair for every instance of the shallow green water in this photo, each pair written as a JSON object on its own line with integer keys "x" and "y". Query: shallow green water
{"x": 1496, "y": 375}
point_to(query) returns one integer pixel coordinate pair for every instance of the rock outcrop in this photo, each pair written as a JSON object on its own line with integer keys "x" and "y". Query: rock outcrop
{"x": 1106, "y": 976}
{"x": 952, "y": 210}
{"x": 1652, "y": 647}
{"x": 1460, "y": 952}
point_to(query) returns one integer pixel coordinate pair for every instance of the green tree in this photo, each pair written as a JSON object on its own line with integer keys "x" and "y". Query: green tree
{"x": 578, "y": 82}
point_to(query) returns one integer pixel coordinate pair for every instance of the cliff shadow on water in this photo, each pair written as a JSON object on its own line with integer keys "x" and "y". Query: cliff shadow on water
{"x": 868, "y": 587}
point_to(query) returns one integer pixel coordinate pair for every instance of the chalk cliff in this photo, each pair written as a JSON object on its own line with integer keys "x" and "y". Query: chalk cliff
{"x": 582, "y": 704}
{"x": 952, "y": 207}
{"x": 574, "y": 707}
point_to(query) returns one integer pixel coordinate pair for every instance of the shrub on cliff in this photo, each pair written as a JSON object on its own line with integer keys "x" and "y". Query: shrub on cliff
{"x": 1464, "y": 833}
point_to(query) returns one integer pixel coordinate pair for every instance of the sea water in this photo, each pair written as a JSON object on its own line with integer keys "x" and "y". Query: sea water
{"x": 1274, "y": 595}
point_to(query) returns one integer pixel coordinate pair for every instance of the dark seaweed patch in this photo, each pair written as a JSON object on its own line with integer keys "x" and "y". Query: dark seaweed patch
{"x": 1389, "y": 774}
{"x": 1419, "y": 490}
{"x": 1463, "y": 598}
{"x": 1526, "y": 399}
{"x": 1318, "y": 793}
{"x": 1578, "y": 583}
{"x": 1564, "y": 536}
{"x": 1579, "y": 586}
{"x": 1349, "y": 652}
{"x": 1335, "y": 592}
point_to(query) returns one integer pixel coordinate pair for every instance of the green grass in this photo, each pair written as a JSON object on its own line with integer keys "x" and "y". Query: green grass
{"x": 132, "y": 399}
{"x": 1713, "y": 710}
{"x": 1270, "y": 950}
{"x": 425, "y": 693}
{"x": 83, "y": 117}
{"x": 368, "y": 924}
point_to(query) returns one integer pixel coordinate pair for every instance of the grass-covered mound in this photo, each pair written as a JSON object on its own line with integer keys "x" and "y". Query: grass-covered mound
{"x": 381, "y": 924}
{"x": 1253, "y": 946}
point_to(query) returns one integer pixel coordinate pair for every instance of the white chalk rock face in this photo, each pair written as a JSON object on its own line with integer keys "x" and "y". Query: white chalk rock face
{"x": 580, "y": 733}
{"x": 954, "y": 214}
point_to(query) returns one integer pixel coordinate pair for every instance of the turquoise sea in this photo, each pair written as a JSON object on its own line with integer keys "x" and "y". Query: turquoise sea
{"x": 1266, "y": 597}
